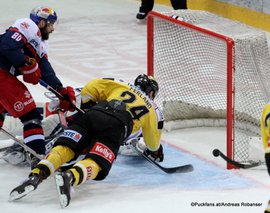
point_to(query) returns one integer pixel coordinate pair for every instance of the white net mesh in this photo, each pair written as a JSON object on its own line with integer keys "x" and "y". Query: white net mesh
{"x": 191, "y": 68}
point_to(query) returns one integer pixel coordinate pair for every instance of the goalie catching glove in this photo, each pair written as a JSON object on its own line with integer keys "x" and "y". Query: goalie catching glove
{"x": 155, "y": 155}
{"x": 69, "y": 100}
{"x": 31, "y": 72}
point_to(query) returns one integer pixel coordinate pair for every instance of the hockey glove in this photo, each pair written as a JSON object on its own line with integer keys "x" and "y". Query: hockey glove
{"x": 69, "y": 100}
{"x": 156, "y": 155}
{"x": 31, "y": 72}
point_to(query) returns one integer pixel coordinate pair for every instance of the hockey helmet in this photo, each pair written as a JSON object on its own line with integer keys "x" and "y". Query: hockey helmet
{"x": 43, "y": 13}
{"x": 147, "y": 84}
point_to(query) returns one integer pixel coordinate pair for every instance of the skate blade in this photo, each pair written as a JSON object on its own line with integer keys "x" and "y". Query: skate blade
{"x": 63, "y": 199}
{"x": 15, "y": 195}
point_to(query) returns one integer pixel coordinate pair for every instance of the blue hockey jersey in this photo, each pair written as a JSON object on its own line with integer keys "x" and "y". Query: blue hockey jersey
{"x": 22, "y": 39}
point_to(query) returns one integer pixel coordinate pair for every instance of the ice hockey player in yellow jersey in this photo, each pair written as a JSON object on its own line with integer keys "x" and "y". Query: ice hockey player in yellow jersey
{"x": 265, "y": 133}
{"x": 138, "y": 104}
{"x": 114, "y": 111}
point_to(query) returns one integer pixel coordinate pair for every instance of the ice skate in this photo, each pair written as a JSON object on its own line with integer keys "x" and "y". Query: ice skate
{"x": 63, "y": 182}
{"x": 26, "y": 187}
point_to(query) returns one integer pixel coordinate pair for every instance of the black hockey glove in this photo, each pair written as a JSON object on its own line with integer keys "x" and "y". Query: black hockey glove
{"x": 157, "y": 155}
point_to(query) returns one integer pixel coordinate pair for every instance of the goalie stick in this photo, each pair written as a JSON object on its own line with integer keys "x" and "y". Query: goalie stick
{"x": 217, "y": 153}
{"x": 26, "y": 148}
{"x": 169, "y": 170}
{"x": 48, "y": 145}
{"x": 49, "y": 140}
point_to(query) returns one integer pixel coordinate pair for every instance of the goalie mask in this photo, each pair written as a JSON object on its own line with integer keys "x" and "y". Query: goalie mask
{"x": 147, "y": 84}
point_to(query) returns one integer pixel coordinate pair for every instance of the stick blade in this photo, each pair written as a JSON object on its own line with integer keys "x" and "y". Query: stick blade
{"x": 217, "y": 153}
{"x": 180, "y": 169}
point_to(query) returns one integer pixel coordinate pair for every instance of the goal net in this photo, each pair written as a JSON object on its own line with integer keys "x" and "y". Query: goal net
{"x": 212, "y": 71}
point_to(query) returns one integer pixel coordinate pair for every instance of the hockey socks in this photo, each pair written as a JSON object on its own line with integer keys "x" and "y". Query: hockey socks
{"x": 81, "y": 171}
{"x": 85, "y": 170}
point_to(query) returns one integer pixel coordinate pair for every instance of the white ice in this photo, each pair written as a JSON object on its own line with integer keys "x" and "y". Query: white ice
{"x": 102, "y": 39}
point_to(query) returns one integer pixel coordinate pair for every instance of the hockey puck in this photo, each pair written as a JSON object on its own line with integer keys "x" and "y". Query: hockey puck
{"x": 216, "y": 152}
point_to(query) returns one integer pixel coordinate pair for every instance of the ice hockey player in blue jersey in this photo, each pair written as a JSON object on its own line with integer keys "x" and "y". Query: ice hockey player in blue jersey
{"x": 23, "y": 51}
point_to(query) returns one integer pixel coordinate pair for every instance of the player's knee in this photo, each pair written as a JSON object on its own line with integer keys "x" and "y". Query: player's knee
{"x": 104, "y": 154}
{"x": 31, "y": 115}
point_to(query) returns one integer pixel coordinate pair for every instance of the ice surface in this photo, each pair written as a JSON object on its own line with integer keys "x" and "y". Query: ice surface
{"x": 102, "y": 39}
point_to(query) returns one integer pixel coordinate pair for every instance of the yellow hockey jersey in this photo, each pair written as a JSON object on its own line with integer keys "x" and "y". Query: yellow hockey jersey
{"x": 265, "y": 128}
{"x": 146, "y": 115}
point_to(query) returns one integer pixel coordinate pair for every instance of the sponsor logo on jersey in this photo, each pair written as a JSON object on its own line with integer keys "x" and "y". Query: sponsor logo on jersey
{"x": 103, "y": 151}
{"x": 18, "y": 106}
{"x": 73, "y": 135}
{"x": 27, "y": 94}
{"x": 34, "y": 43}
{"x": 89, "y": 172}
{"x": 38, "y": 33}
{"x": 28, "y": 102}
{"x": 25, "y": 25}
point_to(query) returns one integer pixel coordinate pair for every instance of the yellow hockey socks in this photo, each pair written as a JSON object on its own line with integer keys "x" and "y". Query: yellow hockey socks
{"x": 85, "y": 170}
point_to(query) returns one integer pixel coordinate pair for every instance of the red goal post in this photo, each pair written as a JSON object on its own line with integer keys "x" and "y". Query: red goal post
{"x": 203, "y": 68}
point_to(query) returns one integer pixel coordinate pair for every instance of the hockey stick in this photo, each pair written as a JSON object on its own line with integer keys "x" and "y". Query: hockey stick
{"x": 62, "y": 119}
{"x": 48, "y": 87}
{"x": 179, "y": 169}
{"x": 217, "y": 153}
{"x": 47, "y": 146}
{"x": 21, "y": 143}
{"x": 4, "y": 148}
{"x": 169, "y": 170}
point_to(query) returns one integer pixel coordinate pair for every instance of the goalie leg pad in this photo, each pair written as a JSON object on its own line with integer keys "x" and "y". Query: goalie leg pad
{"x": 126, "y": 150}
{"x": 51, "y": 125}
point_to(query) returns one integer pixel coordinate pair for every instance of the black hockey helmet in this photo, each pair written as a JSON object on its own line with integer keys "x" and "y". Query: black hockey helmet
{"x": 147, "y": 84}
